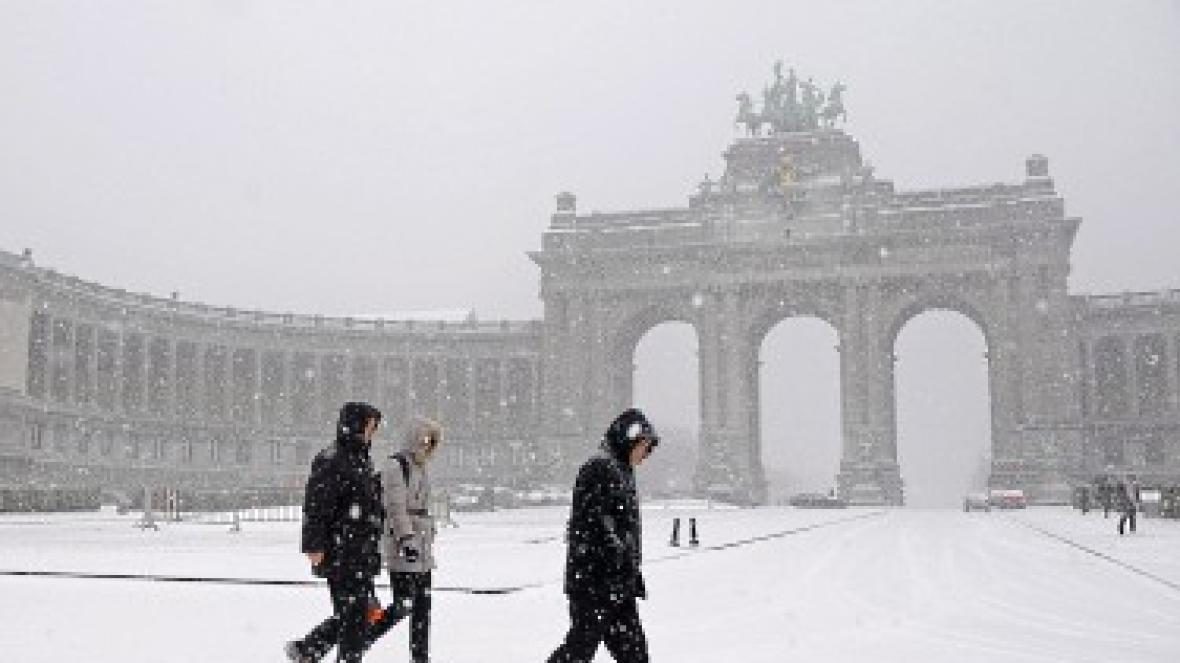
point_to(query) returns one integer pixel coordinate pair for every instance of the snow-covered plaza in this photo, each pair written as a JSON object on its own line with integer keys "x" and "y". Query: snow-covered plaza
{"x": 769, "y": 584}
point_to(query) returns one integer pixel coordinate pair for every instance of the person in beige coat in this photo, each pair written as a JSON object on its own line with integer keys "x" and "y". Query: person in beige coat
{"x": 410, "y": 530}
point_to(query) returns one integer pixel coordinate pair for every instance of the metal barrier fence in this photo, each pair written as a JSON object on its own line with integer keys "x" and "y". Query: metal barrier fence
{"x": 25, "y": 500}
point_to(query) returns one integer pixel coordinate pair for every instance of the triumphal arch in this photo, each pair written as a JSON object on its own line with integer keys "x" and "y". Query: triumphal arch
{"x": 800, "y": 225}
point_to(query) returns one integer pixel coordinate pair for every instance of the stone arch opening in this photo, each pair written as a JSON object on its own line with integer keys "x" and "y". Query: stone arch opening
{"x": 621, "y": 340}
{"x": 666, "y": 384}
{"x": 943, "y": 406}
{"x": 798, "y": 418}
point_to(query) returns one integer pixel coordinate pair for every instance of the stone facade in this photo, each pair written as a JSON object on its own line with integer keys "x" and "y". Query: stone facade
{"x": 113, "y": 389}
{"x": 103, "y": 387}
{"x": 798, "y": 225}
{"x": 1130, "y": 389}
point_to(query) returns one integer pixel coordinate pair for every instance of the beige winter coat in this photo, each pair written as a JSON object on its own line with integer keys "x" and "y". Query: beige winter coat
{"x": 407, "y": 503}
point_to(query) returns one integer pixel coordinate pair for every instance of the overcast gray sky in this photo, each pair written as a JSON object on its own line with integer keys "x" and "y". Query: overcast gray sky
{"x": 375, "y": 156}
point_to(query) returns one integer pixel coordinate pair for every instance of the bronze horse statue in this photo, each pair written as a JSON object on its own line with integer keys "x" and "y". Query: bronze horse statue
{"x": 835, "y": 107}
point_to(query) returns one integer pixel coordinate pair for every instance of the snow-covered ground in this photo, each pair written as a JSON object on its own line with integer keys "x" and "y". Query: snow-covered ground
{"x": 843, "y": 585}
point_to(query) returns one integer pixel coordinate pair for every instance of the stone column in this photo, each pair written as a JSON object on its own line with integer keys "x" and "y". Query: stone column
{"x": 1049, "y": 434}
{"x": 596, "y": 404}
{"x": 1172, "y": 367}
{"x": 169, "y": 395}
{"x": 1132, "y": 364}
{"x": 256, "y": 397}
{"x": 737, "y": 441}
{"x": 1090, "y": 379}
{"x": 39, "y": 373}
{"x": 227, "y": 391}
{"x": 592, "y": 406}
{"x": 174, "y": 405}
{"x": 1093, "y": 457}
{"x": 855, "y": 480}
{"x": 552, "y": 398}
{"x": 117, "y": 399}
{"x": 286, "y": 414}
{"x": 852, "y": 412}
{"x": 85, "y": 381}
{"x": 882, "y": 405}
{"x": 868, "y": 469}
{"x": 1004, "y": 368}
{"x": 712, "y": 406}
{"x": 472, "y": 423}
{"x": 759, "y": 491}
{"x": 141, "y": 397}
{"x": 732, "y": 380}
{"x": 69, "y": 352}
{"x": 200, "y": 399}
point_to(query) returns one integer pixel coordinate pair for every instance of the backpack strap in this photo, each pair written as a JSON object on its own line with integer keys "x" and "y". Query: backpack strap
{"x": 405, "y": 465}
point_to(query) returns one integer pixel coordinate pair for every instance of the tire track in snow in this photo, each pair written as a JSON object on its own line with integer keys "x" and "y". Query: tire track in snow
{"x": 477, "y": 591}
{"x": 1101, "y": 555}
{"x": 252, "y": 582}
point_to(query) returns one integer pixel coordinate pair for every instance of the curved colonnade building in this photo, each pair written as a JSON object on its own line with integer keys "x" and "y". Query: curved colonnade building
{"x": 104, "y": 388}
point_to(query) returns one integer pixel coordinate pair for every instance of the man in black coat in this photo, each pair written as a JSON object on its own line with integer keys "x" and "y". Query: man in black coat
{"x": 602, "y": 576}
{"x": 343, "y": 515}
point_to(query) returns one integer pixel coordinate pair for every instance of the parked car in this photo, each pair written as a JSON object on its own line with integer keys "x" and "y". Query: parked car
{"x": 816, "y": 501}
{"x": 1007, "y": 498}
{"x": 977, "y": 502}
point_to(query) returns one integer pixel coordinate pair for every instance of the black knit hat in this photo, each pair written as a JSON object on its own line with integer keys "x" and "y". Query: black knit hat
{"x": 353, "y": 417}
{"x": 628, "y": 428}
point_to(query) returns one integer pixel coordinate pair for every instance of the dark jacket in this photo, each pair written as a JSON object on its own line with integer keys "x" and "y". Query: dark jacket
{"x": 343, "y": 512}
{"x": 604, "y": 532}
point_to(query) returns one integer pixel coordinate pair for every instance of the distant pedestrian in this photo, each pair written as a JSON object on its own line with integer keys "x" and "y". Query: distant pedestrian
{"x": 1129, "y": 495}
{"x": 1107, "y": 492}
{"x": 602, "y": 573}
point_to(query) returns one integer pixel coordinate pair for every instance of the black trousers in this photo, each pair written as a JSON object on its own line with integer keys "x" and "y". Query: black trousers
{"x": 1127, "y": 517}
{"x": 412, "y": 590}
{"x": 347, "y": 629}
{"x": 594, "y": 621}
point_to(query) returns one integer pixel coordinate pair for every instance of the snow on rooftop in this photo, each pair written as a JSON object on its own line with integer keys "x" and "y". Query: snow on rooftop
{"x": 424, "y": 315}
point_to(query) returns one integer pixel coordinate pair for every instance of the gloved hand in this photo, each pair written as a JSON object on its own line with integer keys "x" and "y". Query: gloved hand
{"x": 409, "y": 551}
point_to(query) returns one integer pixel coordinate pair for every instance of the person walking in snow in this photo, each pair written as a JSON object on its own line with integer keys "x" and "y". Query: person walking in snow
{"x": 602, "y": 572}
{"x": 343, "y": 516}
{"x": 409, "y": 541}
{"x": 1106, "y": 491}
{"x": 1129, "y": 499}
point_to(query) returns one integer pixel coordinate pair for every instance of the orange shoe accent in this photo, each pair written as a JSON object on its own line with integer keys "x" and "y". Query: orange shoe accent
{"x": 375, "y": 614}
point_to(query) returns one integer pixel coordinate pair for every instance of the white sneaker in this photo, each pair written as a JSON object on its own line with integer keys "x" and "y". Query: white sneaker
{"x": 291, "y": 649}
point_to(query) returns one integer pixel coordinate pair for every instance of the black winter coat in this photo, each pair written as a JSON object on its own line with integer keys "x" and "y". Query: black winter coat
{"x": 343, "y": 511}
{"x": 604, "y": 533}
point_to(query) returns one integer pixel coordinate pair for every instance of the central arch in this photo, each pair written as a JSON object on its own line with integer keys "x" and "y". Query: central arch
{"x": 942, "y": 408}
{"x": 969, "y": 307}
{"x": 798, "y": 428}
